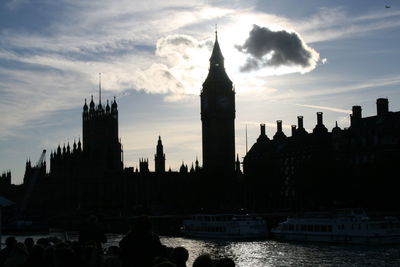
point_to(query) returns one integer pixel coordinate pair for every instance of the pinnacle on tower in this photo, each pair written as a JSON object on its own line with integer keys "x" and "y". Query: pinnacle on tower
{"x": 99, "y": 88}
{"x": 216, "y": 59}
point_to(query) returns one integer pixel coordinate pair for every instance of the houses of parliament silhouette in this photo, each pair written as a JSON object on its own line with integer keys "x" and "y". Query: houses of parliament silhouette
{"x": 351, "y": 167}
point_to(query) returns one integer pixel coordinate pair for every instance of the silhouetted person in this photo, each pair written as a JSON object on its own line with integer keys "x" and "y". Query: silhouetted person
{"x": 5, "y": 252}
{"x": 140, "y": 246}
{"x": 29, "y": 243}
{"x": 165, "y": 264}
{"x": 113, "y": 257}
{"x": 203, "y": 261}
{"x": 36, "y": 257}
{"x": 92, "y": 232}
{"x": 18, "y": 256}
{"x": 65, "y": 257}
{"x": 162, "y": 262}
{"x": 43, "y": 242}
{"x": 179, "y": 256}
{"x": 225, "y": 262}
{"x": 49, "y": 256}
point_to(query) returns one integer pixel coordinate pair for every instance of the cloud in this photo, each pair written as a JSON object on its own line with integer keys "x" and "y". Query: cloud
{"x": 326, "y": 108}
{"x": 267, "y": 48}
{"x": 336, "y": 23}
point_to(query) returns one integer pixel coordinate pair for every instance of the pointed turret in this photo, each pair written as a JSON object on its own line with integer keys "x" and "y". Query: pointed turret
{"x": 192, "y": 168}
{"x": 114, "y": 105}
{"x": 216, "y": 59}
{"x": 85, "y": 107}
{"x": 159, "y": 157}
{"x": 107, "y": 107}
{"x": 197, "y": 166}
{"x": 237, "y": 164}
{"x": 217, "y": 75}
{"x": 91, "y": 104}
{"x": 79, "y": 145}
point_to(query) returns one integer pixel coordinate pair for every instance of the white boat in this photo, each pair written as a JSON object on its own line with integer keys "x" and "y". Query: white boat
{"x": 225, "y": 226}
{"x": 346, "y": 226}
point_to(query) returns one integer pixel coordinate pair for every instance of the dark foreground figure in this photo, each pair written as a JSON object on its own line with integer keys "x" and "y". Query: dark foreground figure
{"x": 139, "y": 248}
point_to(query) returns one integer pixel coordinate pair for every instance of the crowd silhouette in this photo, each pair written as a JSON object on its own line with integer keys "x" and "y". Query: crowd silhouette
{"x": 140, "y": 247}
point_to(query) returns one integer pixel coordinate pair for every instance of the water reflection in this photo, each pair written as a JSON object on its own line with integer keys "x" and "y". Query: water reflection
{"x": 273, "y": 253}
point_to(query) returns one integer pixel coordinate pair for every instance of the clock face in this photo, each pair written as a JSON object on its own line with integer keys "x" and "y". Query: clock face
{"x": 223, "y": 102}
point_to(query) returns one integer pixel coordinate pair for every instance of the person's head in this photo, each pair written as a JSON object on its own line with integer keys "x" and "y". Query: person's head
{"x": 203, "y": 261}
{"x": 43, "y": 241}
{"x": 29, "y": 242}
{"x": 180, "y": 255}
{"x": 11, "y": 241}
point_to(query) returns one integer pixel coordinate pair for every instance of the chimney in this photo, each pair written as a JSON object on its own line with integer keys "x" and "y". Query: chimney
{"x": 293, "y": 130}
{"x": 262, "y": 129}
{"x": 319, "y": 118}
{"x": 279, "y": 126}
{"x": 356, "y": 112}
{"x": 382, "y": 106}
{"x": 300, "y": 122}
{"x": 356, "y": 115}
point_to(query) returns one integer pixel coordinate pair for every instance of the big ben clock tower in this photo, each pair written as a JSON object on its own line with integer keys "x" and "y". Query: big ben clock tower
{"x": 218, "y": 117}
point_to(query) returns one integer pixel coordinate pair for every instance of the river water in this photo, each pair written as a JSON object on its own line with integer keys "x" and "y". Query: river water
{"x": 273, "y": 253}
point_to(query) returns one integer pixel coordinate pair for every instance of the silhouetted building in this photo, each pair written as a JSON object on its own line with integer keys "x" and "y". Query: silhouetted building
{"x": 143, "y": 165}
{"x": 346, "y": 167}
{"x": 5, "y": 179}
{"x": 218, "y": 117}
{"x": 159, "y": 158}
{"x": 100, "y": 134}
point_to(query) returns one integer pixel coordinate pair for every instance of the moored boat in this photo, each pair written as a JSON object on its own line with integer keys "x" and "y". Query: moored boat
{"x": 244, "y": 226}
{"x": 345, "y": 226}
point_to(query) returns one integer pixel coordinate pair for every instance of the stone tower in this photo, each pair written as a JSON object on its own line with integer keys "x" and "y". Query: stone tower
{"x": 100, "y": 133}
{"x": 218, "y": 117}
{"x": 159, "y": 158}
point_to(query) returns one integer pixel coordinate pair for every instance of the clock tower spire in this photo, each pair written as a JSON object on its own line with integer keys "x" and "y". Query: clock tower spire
{"x": 218, "y": 117}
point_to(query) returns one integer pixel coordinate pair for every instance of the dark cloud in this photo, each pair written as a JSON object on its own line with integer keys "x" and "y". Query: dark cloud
{"x": 276, "y": 48}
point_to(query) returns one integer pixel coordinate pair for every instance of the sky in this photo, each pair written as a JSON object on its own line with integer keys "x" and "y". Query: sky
{"x": 285, "y": 60}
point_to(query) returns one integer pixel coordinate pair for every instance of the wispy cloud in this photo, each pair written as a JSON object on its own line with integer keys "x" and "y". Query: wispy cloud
{"x": 326, "y": 108}
{"x": 152, "y": 46}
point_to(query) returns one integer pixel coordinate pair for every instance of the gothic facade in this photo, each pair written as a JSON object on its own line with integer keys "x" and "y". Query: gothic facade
{"x": 348, "y": 167}
{"x": 307, "y": 170}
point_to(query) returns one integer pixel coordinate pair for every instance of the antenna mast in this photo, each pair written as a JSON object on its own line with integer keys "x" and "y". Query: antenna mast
{"x": 246, "y": 139}
{"x": 99, "y": 87}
